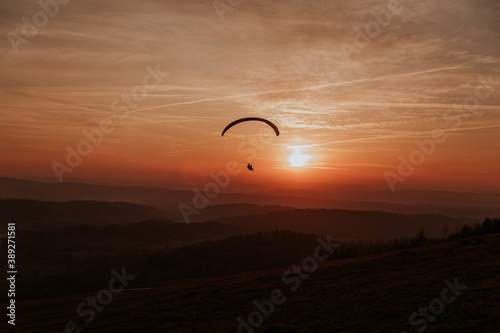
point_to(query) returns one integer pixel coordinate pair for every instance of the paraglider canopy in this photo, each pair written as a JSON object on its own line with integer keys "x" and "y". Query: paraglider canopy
{"x": 274, "y": 127}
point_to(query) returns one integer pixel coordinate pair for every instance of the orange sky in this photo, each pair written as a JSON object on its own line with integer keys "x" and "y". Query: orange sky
{"x": 353, "y": 113}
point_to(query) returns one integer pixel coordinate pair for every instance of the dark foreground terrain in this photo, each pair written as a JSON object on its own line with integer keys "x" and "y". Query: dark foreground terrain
{"x": 376, "y": 293}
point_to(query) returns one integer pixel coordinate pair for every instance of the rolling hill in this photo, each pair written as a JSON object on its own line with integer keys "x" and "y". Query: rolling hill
{"x": 471, "y": 205}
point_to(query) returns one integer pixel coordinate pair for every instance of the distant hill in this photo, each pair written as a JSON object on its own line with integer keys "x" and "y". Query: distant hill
{"x": 26, "y": 189}
{"x": 350, "y": 225}
{"x": 341, "y": 224}
{"x": 234, "y": 210}
{"x": 447, "y": 198}
{"x": 471, "y": 205}
{"x": 36, "y": 214}
{"x": 404, "y": 197}
{"x": 49, "y": 214}
{"x": 111, "y": 238}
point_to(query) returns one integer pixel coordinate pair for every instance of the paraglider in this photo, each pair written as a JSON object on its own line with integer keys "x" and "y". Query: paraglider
{"x": 274, "y": 127}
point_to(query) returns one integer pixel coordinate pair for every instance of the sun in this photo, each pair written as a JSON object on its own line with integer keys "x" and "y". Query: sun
{"x": 298, "y": 159}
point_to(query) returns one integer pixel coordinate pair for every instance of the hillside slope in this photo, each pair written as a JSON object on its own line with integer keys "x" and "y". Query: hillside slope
{"x": 376, "y": 293}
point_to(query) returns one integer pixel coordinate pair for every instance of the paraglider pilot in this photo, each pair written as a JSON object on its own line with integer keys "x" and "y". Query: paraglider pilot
{"x": 249, "y": 167}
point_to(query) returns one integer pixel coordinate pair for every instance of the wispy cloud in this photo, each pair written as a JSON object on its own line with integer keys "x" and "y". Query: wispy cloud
{"x": 277, "y": 59}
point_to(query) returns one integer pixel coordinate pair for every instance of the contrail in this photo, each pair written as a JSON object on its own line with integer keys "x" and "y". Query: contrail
{"x": 320, "y": 86}
{"x": 392, "y": 136}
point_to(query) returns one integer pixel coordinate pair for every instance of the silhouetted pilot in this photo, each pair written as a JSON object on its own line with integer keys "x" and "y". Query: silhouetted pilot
{"x": 249, "y": 167}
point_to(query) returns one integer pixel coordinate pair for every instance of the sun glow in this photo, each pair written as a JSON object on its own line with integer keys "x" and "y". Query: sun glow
{"x": 298, "y": 159}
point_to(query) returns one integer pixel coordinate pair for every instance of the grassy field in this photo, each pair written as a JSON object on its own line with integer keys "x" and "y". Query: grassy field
{"x": 376, "y": 293}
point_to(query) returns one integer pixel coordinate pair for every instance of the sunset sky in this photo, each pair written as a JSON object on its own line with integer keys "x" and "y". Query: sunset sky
{"x": 346, "y": 116}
